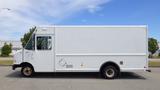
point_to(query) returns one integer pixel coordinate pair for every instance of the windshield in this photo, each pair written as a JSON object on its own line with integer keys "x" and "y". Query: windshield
{"x": 31, "y": 43}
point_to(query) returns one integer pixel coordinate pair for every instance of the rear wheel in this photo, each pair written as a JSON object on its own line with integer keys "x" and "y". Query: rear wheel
{"x": 110, "y": 72}
{"x": 27, "y": 71}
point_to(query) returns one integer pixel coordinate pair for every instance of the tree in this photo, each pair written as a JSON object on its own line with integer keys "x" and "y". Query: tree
{"x": 10, "y": 45}
{"x": 6, "y": 50}
{"x": 152, "y": 45}
{"x": 27, "y": 36}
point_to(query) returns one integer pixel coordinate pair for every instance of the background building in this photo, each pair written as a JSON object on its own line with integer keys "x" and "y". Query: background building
{"x": 16, "y": 45}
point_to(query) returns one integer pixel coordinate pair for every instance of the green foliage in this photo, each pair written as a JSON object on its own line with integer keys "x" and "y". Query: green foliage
{"x": 27, "y": 36}
{"x": 152, "y": 45}
{"x": 6, "y": 50}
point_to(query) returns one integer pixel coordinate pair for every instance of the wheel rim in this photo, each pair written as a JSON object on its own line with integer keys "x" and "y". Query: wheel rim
{"x": 27, "y": 71}
{"x": 110, "y": 73}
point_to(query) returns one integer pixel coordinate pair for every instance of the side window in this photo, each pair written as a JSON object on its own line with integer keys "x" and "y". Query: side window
{"x": 44, "y": 43}
{"x": 31, "y": 43}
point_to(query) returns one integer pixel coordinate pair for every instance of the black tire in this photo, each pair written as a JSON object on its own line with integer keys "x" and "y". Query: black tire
{"x": 27, "y": 71}
{"x": 110, "y": 72}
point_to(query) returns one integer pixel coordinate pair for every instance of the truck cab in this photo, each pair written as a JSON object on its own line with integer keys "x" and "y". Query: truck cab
{"x": 38, "y": 52}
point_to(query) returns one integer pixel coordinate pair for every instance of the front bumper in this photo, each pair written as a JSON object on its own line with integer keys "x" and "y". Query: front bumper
{"x": 14, "y": 66}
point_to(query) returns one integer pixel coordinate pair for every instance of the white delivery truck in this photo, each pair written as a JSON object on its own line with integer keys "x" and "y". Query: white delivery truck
{"x": 105, "y": 49}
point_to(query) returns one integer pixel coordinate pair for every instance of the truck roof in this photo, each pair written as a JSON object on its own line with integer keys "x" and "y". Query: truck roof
{"x": 92, "y": 26}
{"x": 48, "y": 29}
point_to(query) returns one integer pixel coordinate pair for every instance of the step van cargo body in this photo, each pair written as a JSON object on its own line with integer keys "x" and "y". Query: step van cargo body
{"x": 105, "y": 49}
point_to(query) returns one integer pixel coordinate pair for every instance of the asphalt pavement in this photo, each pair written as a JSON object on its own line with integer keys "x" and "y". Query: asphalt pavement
{"x": 13, "y": 80}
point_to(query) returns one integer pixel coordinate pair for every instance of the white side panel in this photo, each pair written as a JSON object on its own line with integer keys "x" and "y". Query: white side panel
{"x": 92, "y": 63}
{"x": 73, "y": 40}
{"x": 87, "y": 48}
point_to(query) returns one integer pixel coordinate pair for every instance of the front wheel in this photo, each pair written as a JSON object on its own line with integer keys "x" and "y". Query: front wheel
{"x": 109, "y": 72}
{"x": 27, "y": 71}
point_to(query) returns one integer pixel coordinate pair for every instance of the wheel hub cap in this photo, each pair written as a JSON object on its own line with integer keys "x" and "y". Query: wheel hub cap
{"x": 27, "y": 71}
{"x": 110, "y": 72}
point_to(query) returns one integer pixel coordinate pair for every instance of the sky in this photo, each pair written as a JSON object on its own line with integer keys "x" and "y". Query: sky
{"x": 17, "y": 16}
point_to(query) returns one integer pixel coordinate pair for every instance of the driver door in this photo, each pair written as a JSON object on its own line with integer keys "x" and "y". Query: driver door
{"x": 44, "y": 52}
